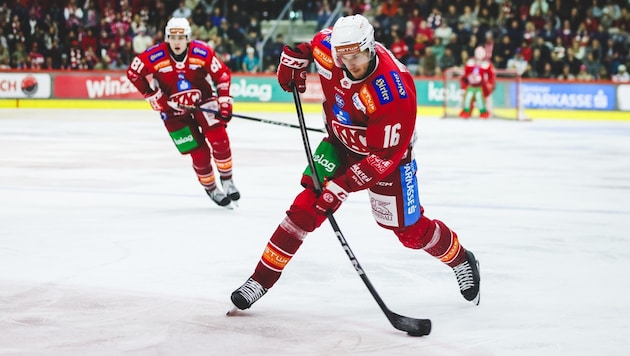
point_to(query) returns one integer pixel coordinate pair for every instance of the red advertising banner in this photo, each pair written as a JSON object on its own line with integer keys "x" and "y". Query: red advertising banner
{"x": 103, "y": 86}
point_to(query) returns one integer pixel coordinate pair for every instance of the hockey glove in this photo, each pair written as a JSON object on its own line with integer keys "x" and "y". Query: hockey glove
{"x": 331, "y": 198}
{"x": 292, "y": 67}
{"x": 157, "y": 99}
{"x": 225, "y": 108}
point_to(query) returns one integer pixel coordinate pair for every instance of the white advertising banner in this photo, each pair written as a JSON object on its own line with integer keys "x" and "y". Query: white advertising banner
{"x": 25, "y": 85}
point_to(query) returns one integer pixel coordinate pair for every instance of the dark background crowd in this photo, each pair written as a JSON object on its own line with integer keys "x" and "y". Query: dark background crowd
{"x": 554, "y": 39}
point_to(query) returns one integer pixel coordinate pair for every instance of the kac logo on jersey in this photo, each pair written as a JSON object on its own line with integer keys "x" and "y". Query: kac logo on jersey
{"x": 383, "y": 91}
{"x": 400, "y": 88}
{"x": 341, "y": 116}
{"x": 182, "y": 83}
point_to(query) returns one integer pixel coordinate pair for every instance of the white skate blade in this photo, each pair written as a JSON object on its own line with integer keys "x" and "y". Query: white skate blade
{"x": 233, "y": 311}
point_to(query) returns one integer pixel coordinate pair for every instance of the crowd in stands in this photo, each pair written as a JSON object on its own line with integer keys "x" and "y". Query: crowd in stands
{"x": 552, "y": 39}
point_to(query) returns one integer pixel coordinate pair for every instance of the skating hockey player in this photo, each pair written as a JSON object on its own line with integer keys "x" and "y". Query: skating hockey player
{"x": 182, "y": 71}
{"x": 370, "y": 111}
{"x": 478, "y": 82}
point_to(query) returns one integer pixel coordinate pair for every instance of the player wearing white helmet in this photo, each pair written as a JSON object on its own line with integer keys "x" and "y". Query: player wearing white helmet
{"x": 182, "y": 71}
{"x": 478, "y": 82}
{"x": 370, "y": 111}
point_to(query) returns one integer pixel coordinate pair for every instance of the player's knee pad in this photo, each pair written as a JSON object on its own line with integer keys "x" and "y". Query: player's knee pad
{"x": 302, "y": 212}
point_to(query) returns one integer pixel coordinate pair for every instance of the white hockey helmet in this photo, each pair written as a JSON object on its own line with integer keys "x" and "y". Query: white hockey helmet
{"x": 480, "y": 53}
{"x": 178, "y": 26}
{"x": 351, "y": 35}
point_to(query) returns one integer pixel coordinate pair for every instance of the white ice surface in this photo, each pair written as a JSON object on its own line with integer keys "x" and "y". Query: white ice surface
{"x": 109, "y": 246}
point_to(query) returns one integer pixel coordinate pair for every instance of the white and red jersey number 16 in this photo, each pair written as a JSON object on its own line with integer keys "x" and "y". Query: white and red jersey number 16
{"x": 392, "y": 137}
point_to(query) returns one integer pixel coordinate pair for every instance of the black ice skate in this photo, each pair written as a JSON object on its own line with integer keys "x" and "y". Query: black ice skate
{"x": 219, "y": 197}
{"x": 468, "y": 278}
{"x": 248, "y": 294}
{"x": 230, "y": 189}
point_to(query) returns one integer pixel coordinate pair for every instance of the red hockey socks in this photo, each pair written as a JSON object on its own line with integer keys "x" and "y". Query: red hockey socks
{"x": 281, "y": 247}
{"x": 435, "y": 238}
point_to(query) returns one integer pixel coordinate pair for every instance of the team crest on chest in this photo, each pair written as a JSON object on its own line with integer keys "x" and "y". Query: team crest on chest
{"x": 353, "y": 137}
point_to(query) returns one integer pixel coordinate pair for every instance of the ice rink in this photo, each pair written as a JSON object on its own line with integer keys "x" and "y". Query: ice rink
{"x": 109, "y": 246}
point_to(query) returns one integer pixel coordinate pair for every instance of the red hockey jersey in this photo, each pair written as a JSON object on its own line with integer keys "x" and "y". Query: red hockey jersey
{"x": 372, "y": 118}
{"x": 184, "y": 82}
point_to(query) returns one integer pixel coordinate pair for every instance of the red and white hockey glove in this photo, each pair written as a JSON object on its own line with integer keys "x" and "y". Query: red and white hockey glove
{"x": 331, "y": 198}
{"x": 292, "y": 67}
{"x": 157, "y": 99}
{"x": 225, "y": 108}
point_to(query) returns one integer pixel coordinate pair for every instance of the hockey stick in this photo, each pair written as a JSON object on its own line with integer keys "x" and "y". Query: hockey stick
{"x": 265, "y": 121}
{"x": 413, "y": 326}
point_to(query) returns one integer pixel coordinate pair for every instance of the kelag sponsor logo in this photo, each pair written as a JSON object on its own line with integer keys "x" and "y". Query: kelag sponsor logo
{"x": 568, "y": 96}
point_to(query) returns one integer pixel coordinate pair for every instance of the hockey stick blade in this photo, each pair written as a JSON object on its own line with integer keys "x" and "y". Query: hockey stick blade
{"x": 264, "y": 121}
{"x": 412, "y": 326}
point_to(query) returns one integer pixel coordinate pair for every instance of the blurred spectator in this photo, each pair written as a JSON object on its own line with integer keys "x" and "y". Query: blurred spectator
{"x": 141, "y": 41}
{"x": 428, "y": 64}
{"x": 323, "y": 13}
{"x": 517, "y": 62}
{"x": 19, "y": 57}
{"x": 451, "y": 17}
{"x": 251, "y": 63}
{"x": 566, "y": 73}
{"x": 622, "y": 75}
{"x": 273, "y": 50}
{"x": 182, "y": 10}
{"x": 35, "y": 57}
{"x": 537, "y": 63}
{"x": 217, "y": 17}
{"x": 5, "y": 57}
{"x": 90, "y": 57}
{"x": 399, "y": 47}
{"x": 503, "y": 51}
{"x": 73, "y": 15}
{"x": 88, "y": 39}
{"x": 572, "y": 61}
{"x": 547, "y": 72}
{"x": 75, "y": 56}
{"x": 539, "y": 5}
{"x": 592, "y": 66}
{"x": 468, "y": 18}
{"x": 447, "y": 60}
{"x": 207, "y": 31}
{"x": 583, "y": 74}
{"x": 438, "y": 49}
{"x": 444, "y": 32}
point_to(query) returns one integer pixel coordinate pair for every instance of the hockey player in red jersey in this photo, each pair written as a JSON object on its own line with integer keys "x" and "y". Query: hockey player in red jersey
{"x": 370, "y": 112}
{"x": 478, "y": 83}
{"x": 182, "y": 71}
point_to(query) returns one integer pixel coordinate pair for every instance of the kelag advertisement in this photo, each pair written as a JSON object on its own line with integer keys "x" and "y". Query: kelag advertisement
{"x": 264, "y": 88}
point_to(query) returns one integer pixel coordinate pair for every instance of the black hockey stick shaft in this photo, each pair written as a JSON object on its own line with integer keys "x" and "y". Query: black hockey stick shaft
{"x": 265, "y": 121}
{"x": 416, "y": 327}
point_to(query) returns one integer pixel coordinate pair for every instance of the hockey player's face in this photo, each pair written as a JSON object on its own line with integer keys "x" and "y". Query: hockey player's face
{"x": 178, "y": 43}
{"x": 356, "y": 63}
